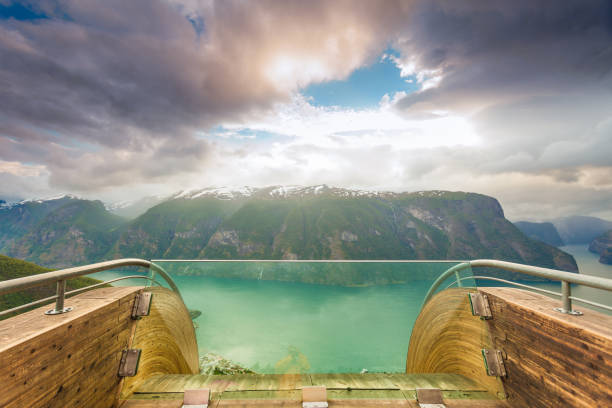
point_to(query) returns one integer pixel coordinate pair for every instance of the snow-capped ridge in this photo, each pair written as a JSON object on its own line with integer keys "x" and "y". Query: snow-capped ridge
{"x": 221, "y": 193}
{"x": 279, "y": 191}
{"x": 39, "y": 200}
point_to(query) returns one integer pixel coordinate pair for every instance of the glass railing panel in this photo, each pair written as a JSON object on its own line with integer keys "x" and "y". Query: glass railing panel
{"x": 304, "y": 317}
{"x": 121, "y": 273}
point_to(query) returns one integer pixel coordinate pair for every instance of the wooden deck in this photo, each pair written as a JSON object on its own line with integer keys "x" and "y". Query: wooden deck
{"x": 66, "y": 360}
{"x": 552, "y": 359}
{"x": 284, "y": 390}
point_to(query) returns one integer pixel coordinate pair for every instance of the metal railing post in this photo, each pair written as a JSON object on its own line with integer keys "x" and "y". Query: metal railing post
{"x": 59, "y": 301}
{"x": 566, "y": 293}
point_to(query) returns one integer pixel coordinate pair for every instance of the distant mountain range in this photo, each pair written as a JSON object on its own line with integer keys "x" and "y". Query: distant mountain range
{"x": 572, "y": 230}
{"x": 316, "y": 222}
{"x": 579, "y": 229}
{"x": 542, "y": 231}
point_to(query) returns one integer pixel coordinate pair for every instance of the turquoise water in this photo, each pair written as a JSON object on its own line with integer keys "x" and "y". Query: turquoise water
{"x": 277, "y": 326}
{"x": 588, "y": 264}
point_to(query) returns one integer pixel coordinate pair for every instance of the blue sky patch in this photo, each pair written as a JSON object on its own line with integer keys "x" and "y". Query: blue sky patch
{"x": 242, "y": 135}
{"x": 19, "y": 12}
{"x": 364, "y": 87}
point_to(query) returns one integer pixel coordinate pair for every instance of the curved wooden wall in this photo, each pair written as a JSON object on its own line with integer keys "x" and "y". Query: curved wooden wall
{"x": 447, "y": 338}
{"x": 167, "y": 340}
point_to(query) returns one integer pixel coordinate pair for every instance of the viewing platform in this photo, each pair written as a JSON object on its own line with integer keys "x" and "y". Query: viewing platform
{"x": 135, "y": 346}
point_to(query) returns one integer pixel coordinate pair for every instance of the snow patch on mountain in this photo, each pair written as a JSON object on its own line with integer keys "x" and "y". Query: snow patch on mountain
{"x": 6, "y": 205}
{"x": 289, "y": 191}
{"x": 221, "y": 193}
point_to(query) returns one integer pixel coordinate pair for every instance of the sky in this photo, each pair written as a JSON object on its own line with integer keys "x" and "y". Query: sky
{"x": 117, "y": 100}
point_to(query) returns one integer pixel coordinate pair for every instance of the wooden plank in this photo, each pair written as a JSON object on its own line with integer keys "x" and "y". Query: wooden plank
{"x": 441, "y": 381}
{"x": 372, "y": 403}
{"x": 447, "y": 338}
{"x": 151, "y": 403}
{"x": 552, "y": 359}
{"x": 35, "y": 323}
{"x": 113, "y": 292}
{"x": 218, "y": 383}
{"x": 286, "y": 395}
{"x": 69, "y": 359}
{"x": 266, "y": 382}
{"x": 259, "y": 403}
{"x": 365, "y": 394}
{"x": 369, "y": 381}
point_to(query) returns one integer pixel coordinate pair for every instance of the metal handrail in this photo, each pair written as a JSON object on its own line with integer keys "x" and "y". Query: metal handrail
{"x": 60, "y": 277}
{"x": 522, "y": 285}
{"x": 75, "y": 291}
{"x": 551, "y": 274}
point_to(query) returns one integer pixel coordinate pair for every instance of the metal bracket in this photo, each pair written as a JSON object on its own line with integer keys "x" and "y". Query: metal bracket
{"x": 430, "y": 398}
{"x": 480, "y": 305}
{"x": 129, "y": 363}
{"x": 142, "y": 305}
{"x": 494, "y": 362}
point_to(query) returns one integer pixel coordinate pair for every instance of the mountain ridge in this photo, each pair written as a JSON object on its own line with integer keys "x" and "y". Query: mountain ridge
{"x": 315, "y": 222}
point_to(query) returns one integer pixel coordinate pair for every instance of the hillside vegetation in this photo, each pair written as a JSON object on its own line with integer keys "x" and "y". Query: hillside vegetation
{"x": 307, "y": 223}
{"x": 11, "y": 268}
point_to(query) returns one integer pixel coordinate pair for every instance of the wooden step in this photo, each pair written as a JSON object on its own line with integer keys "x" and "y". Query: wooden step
{"x": 284, "y": 390}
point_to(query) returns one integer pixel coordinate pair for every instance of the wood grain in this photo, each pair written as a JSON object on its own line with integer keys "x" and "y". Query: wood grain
{"x": 552, "y": 359}
{"x": 372, "y": 389}
{"x": 166, "y": 338}
{"x": 66, "y": 360}
{"x": 447, "y": 338}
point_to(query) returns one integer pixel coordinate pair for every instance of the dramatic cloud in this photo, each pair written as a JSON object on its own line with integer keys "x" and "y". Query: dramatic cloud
{"x": 512, "y": 99}
{"x": 132, "y": 78}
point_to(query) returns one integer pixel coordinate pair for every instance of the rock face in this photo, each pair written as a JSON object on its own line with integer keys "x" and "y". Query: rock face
{"x": 541, "y": 231}
{"x": 602, "y": 245}
{"x": 289, "y": 223}
{"x": 77, "y": 232}
{"x": 18, "y": 219}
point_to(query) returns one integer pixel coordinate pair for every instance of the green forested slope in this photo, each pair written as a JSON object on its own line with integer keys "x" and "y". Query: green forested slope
{"x": 313, "y": 223}
{"x": 11, "y": 268}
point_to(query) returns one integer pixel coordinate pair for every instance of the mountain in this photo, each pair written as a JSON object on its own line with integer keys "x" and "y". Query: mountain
{"x": 579, "y": 229}
{"x": 15, "y": 268}
{"x": 317, "y": 222}
{"x": 19, "y": 218}
{"x": 602, "y": 245}
{"x": 331, "y": 223}
{"x": 541, "y": 231}
{"x": 132, "y": 209}
{"x": 77, "y": 232}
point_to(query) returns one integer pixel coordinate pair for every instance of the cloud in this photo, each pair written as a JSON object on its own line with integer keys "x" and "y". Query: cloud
{"x": 128, "y": 98}
{"x": 95, "y": 82}
{"x": 504, "y": 51}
